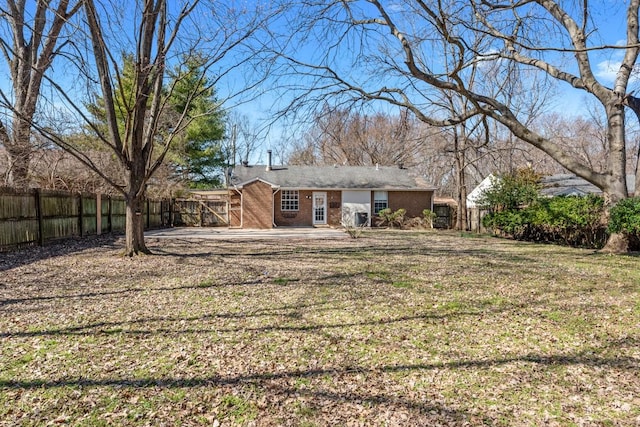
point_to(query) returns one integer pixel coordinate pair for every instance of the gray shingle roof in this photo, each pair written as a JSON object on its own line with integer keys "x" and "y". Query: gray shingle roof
{"x": 330, "y": 177}
{"x": 551, "y": 186}
{"x": 566, "y": 185}
{"x": 571, "y": 185}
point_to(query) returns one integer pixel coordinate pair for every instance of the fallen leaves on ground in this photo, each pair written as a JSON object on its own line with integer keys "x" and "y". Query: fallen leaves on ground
{"x": 394, "y": 328}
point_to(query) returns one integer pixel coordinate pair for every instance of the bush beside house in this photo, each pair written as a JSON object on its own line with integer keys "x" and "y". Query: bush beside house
{"x": 568, "y": 220}
{"x": 517, "y": 210}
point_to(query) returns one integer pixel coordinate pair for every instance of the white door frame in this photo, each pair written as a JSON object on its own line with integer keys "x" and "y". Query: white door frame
{"x": 323, "y": 220}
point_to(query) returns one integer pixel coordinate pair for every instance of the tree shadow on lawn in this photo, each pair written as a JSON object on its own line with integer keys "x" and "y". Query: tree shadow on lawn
{"x": 277, "y": 247}
{"x": 258, "y": 279}
{"x": 94, "y": 294}
{"x": 269, "y": 381}
{"x": 117, "y": 328}
{"x": 29, "y": 255}
{"x": 472, "y": 309}
{"x": 288, "y": 311}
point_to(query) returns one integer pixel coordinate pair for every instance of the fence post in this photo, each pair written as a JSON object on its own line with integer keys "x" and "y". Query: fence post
{"x": 110, "y": 216}
{"x": 81, "y": 216}
{"x": 148, "y": 203}
{"x": 39, "y": 215}
{"x": 98, "y": 214}
{"x": 171, "y": 205}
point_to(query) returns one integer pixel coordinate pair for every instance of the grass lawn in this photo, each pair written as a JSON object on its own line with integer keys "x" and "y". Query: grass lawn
{"x": 392, "y": 329}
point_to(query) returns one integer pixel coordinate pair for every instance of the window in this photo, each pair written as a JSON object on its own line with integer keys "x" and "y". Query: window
{"x": 380, "y": 201}
{"x": 289, "y": 200}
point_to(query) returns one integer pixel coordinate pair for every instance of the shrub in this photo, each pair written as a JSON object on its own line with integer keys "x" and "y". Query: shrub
{"x": 390, "y": 218}
{"x": 429, "y": 216}
{"x": 511, "y": 191}
{"x": 510, "y": 222}
{"x": 625, "y": 217}
{"x": 569, "y": 220}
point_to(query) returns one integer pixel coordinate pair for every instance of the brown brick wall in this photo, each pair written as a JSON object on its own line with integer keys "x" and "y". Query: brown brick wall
{"x": 257, "y": 205}
{"x": 235, "y": 212}
{"x": 413, "y": 201}
{"x": 301, "y": 217}
{"x": 257, "y": 208}
{"x": 304, "y": 216}
{"x": 334, "y": 208}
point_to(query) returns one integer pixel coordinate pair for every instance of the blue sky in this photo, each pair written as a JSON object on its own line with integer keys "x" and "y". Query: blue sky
{"x": 609, "y": 18}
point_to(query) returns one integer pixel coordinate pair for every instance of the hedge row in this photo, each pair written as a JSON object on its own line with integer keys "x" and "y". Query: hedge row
{"x": 572, "y": 221}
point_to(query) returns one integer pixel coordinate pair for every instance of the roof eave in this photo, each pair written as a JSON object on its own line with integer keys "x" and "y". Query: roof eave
{"x": 252, "y": 180}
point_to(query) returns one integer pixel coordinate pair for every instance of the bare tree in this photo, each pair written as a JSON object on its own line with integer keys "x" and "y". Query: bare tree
{"x": 247, "y": 138}
{"x": 339, "y": 136}
{"x": 30, "y": 39}
{"x": 376, "y": 51}
{"x": 137, "y": 132}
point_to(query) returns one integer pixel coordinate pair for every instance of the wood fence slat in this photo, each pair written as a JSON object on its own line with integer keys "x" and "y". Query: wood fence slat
{"x": 30, "y": 217}
{"x": 40, "y": 218}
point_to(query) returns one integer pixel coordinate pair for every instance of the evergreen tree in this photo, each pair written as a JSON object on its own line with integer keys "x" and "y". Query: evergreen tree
{"x": 196, "y": 152}
{"x": 199, "y": 156}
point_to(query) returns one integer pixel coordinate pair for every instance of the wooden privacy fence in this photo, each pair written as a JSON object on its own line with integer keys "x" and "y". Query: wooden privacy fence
{"x": 34, "y": 217}
{"x": 211, "y": 212}
{"x": 474, "y": 217}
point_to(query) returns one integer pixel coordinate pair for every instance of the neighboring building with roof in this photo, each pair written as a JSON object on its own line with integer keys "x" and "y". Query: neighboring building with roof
{"x": 476, "y": 194}
{"x": 571, "y": 185}
{"x": 265, "y": 196}
{"x": 550, "y": 186}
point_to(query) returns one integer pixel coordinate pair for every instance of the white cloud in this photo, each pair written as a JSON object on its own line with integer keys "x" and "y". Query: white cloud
{"x": 607, "y": 70}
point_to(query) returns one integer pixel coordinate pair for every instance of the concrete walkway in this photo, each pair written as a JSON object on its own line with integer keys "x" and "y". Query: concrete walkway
{"x": 223, "y": 233}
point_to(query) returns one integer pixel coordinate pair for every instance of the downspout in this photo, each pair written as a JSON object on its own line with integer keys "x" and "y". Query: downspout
{"x": 273, "y": 211}
{"x": 432, "y": 194}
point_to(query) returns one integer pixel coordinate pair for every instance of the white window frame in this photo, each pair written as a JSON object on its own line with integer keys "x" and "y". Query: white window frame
{"x": 380, "y": 201}
{"x": 289, "y": 200}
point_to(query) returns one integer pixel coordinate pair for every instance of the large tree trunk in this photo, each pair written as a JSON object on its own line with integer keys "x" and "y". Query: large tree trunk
{"x": 617, "y": 243}
{"x": 461, "y": 217}
{"x": 34, "y": 29}
{"x": 135, "y": 200}
{"x": 461, "y": 185}
{"x": 134, "y": 237}
{"x": 19, "y": 150}
{"x": 615, "y": 186}
{"x": 19, "y": 159}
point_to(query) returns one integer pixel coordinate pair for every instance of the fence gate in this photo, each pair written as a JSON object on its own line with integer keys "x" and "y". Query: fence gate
{"x": 443, "y": 216}
{"x": 474, "y": 217}
{"x": 201, "y": 212}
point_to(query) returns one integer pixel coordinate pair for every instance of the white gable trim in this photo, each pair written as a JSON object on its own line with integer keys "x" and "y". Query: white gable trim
{"x": 251, "y": 181}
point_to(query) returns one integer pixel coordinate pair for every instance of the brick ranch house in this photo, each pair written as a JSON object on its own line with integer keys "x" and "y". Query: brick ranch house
{"x": 296, "y": 196}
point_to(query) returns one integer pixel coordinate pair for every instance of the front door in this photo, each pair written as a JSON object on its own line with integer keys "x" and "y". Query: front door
{"x": 319, "y": 208}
